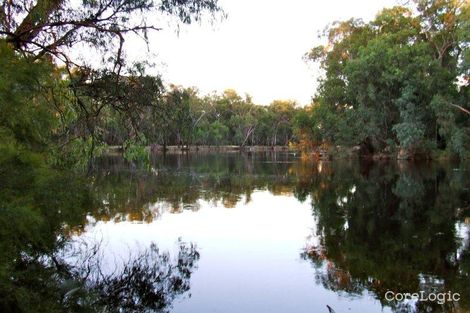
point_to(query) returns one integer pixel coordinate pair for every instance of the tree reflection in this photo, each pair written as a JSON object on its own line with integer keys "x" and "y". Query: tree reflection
{"x": 146, "y": 282}
{"x": 380, "y": 227}
{"x": 178, "y": 182}
{"x": 42, "y": 270}
{"x": 392, "y": 228}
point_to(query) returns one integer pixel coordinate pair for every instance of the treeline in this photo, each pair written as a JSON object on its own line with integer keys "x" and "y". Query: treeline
{"x": 182, "y": 117}
{"x": 398, "y": 84}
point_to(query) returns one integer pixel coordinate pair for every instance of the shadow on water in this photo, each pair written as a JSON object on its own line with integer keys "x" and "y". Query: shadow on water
{"x": 379, "y": 227}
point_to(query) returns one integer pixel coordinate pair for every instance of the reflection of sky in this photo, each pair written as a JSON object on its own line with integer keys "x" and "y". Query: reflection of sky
{"x": 463, "y": 233}
{"x": 250, "y": 256}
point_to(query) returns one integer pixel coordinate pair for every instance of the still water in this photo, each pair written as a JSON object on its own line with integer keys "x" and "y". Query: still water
{"x": 265, "y": 232}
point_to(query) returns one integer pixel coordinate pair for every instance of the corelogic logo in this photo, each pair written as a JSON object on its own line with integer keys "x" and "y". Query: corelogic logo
{"x": 440, "y": 298}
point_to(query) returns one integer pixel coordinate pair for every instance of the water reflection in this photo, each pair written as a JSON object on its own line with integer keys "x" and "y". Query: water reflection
{"x": 379, "y": 227}
{"x": 275, "y": 234}
{"x": 148, "y": 281}
{"x": 395, "y": 228}
{"x": 45, "y": 267}
{"x": 177, "y": 182}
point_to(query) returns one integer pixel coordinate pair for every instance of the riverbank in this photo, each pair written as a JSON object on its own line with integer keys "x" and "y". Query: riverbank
{"x": 359, "y": 152}
{"x": 226, "y": 148}
{"x": 325, "y": 154}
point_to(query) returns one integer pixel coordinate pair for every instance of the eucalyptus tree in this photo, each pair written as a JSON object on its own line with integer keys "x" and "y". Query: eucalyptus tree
{"x": 281, "y": 130}
{"x": 397, "y": 81}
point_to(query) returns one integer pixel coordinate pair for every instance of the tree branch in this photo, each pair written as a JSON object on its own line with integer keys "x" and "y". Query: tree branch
{"x": 460, "y": 108}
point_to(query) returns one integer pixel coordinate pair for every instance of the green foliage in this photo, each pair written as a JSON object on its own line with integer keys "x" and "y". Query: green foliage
{"x": 76, "y": 154}
{"x": 134, "y": 151}
{"x": 409, "y": 134}
{"x": 185, "y": 118}
{"x": 460, "y": 143}
{"x": 25, "y": 113}
{"x": 410, "y": 130}
{"x": 392, "y": 81}
{"x": 217, "y": 132}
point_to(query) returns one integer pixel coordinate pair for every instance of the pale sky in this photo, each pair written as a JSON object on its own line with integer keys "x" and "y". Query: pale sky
{"x": 257, "y": 50}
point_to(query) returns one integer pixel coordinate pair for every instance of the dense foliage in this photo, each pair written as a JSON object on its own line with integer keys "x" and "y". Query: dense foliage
{"x": 182, "y": 117}
{"x": 397, "y": 82}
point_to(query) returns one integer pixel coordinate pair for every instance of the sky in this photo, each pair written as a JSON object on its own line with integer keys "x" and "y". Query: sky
{"x": 256, "y": 50}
